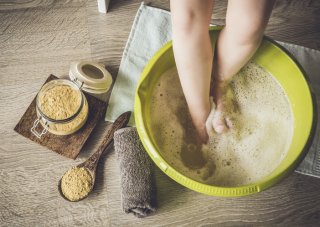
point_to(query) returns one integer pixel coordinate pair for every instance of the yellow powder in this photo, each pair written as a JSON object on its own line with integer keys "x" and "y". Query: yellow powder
{"x": 76, "y": 183}
{"x": 72, "y": 126}
{"x": 60, "y": 102}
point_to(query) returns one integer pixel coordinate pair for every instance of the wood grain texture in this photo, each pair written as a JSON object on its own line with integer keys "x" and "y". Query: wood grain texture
{"x": 22, "y": 4}
{"x": 292, "y": 21}
{"x": 69, "y": 145}
{"x": 34, "y": 43}
{"x": 92, "y": 162}
{"x": 37, "y": 41}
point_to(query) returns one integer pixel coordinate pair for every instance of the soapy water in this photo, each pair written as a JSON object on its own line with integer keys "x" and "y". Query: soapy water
{"x": 243, "y": 155}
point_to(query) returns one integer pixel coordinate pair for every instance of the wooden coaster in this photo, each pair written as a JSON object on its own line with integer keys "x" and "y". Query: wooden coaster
{"x": 70, "y": 145}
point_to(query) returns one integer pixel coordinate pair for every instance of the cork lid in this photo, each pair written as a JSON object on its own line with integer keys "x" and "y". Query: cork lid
{"x": 91, "y": 77}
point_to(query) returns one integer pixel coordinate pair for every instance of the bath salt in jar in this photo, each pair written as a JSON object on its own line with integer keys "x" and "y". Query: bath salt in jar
{"x": 61, "y": 105}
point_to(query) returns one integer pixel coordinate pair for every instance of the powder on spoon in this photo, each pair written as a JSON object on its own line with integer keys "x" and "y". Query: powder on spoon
{"x": 76, "y": 183}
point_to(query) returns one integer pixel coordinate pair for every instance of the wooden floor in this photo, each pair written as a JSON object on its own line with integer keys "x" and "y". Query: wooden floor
{"x": 39, "y": 37}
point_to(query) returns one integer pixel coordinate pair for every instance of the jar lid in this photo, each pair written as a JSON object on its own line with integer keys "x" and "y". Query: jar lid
{"x": 91, "y": 77}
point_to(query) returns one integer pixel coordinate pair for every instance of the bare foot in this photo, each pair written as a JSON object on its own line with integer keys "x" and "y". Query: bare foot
{"x": 223, "y": 108}
{"x": 192, "y": 148}
{"x": 198, "y": 127}
{"x": 202, "y": 133}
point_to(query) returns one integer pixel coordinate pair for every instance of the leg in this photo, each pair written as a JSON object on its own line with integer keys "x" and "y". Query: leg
{"x": 246, "y": 21}
{"x": 193, "y": 55}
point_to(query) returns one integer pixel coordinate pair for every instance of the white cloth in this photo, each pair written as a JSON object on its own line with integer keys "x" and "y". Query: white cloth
{"x": 150, "y": 31}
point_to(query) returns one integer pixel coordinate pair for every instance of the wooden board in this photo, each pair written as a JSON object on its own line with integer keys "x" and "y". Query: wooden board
{"x": 69, "y": 145}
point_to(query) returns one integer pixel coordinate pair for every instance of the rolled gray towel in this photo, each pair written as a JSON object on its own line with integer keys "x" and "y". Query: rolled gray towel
{"x": 136, "y": 171}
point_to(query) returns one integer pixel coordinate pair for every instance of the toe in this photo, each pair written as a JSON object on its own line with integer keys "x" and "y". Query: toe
{"x": 219, "y": 123}
{"x": 229, "y": 122}
{"x": 220, "y": 128}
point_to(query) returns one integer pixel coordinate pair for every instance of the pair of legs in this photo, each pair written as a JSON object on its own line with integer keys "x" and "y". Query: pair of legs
{"x": 246, "y": 21}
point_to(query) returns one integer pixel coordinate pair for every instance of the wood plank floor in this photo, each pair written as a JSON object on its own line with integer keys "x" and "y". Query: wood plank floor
{"x": 39, "y": 37}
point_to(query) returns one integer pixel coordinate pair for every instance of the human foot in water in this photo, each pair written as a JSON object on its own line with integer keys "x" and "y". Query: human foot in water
{"x": 223, "y": 109}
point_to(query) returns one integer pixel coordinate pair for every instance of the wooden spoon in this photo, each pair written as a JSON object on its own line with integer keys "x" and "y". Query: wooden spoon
{"x": 91, "y": 163}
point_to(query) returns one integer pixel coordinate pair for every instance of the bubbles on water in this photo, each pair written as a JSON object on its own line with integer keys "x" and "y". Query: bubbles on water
{"x": 241, "y": 156}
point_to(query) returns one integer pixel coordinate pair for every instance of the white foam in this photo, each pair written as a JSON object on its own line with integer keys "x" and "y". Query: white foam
{"x": 252, "y": 151}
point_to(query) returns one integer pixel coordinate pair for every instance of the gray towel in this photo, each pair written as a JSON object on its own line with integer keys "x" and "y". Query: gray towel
{"x": 136, "y": 172}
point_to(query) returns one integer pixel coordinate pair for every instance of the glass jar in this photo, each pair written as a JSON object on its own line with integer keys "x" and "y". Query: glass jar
{"x": 61, "y": 105}
{"x": 61, "y": 108}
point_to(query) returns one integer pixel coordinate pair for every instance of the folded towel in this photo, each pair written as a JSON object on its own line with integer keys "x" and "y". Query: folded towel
{"x": 136, "y": 172}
